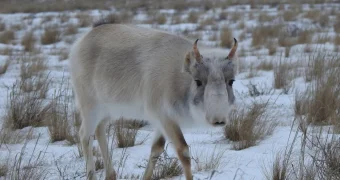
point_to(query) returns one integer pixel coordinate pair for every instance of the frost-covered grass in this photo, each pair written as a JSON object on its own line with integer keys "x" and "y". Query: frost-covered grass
{"x": 287, "y": 59}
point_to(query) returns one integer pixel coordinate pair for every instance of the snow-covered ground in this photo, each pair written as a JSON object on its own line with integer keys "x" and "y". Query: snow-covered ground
{"x": 62, "y": 160}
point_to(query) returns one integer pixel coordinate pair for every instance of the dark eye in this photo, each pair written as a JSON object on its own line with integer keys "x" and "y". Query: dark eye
{"x": 231, "y": 82}
{"x": 198, "y": 83}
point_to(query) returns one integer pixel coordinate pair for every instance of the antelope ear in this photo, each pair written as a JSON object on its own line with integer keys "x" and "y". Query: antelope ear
{"x": 233, "y": 50}
{"x": 188, "y": 61}
{"x": 192, "y": 57}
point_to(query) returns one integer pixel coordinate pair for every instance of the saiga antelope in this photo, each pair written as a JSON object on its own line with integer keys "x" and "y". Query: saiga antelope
{"x": 139, "y": 73}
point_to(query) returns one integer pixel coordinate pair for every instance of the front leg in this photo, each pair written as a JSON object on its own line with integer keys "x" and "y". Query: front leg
{"x": 175, "y": 135}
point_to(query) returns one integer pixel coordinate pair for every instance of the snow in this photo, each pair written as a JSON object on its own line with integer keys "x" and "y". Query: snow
{"x": 243, "y": 164}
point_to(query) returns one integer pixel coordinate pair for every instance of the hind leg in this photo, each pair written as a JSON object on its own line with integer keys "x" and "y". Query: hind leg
{"x": 100, "y": 134}
{"x": 90, "y": 120}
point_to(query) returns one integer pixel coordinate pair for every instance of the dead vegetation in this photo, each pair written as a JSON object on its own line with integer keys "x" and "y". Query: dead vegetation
{"x": 226, "y": 37}
{"x": 249, "y": 125}
{"x": 24, "y": 109}
{"x": 263, "y": 33}
{"x": 282, "y": 76}
{"x": 28, "y": 41}
{"x": 7, "y": 36}
{"x": 4, "y": 67}
{"x": 125, "y": 132}
{"x": 61, "y": 114}
{"x": 207, "y": 161}
{"x": 166, "y": 167}
{"x": 51, "y": 35}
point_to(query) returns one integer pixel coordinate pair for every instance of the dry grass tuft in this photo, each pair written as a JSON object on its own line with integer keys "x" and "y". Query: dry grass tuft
{"x": 4, "y": 67}
{"x": 279, "y": 170}
{"x": 2, "y": 26}
{"x": 262, "y": 34}
{"x": 126, "y": 132}
{"x": 61, "y": 114}
{"x": 84, "y": 19}
{"x": 51, "y": 35}
{"x": 305, "y": 37}
{"x": 264, "y": 17}
{"x": 320, "y": 102}
{"x": 282, "y": 76}
{"x": 226, "y": 37}
{"x": 28, "y": 41}
{"x": 337, "y": 26}
{"x": 337, "y": 40}
{"x": 193, "y": 17}
{"x": 289, "y": 15}
{"x": 167, "y": 167}
{"x": 71, "y": 29}
{"x": 207, "y": 161}
{"x": 266, "y": 66}
{"x": 3, "y": 169}
{"x": 24, "y": 109}
{"x": 161, "y": 19}
{"x": 249, "y": 125}
{"x": 7, "y": 36}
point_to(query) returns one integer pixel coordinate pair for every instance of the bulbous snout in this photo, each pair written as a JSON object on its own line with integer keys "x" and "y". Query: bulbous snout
{"x": 218, "y": 121}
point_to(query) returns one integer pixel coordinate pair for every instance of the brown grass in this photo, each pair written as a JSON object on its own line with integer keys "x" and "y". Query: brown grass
{"x": 320, "y": 103}
{"x": 31, "y": 66}
{"x": 226, "y": 37}
{"x": 207, "y": 161}
{"x": 7, "y": 36}
{"x": 28, "y": 41}
{"x": 51, "y": 35}
{"x": 324, "y": 20}
{"x": 337, "y": 26}
{"x": 261, "y": 34}
{"x": 337, "y": 40}
{"x": 264, "y": 17}
{"x": 282, "y": 76}
{"x": 313, "y": 15}
{"x": 248, "y": 126}
{"x": 167, "y": 167}
{"x": 236, "y": 16}
{"x": 4, "y": 67}
{"x": 126, "y": 133}
{"x": 289, "y": 15}
{"x": 24, "y": 109}
{"x": 193, "y": 17}
{"x": 266, "y": 66}
{"x": 71, "y": 29}
{"x": 305, "y": 37}
{"x": 161, "y": 19}
{"x": 2, "y": 26}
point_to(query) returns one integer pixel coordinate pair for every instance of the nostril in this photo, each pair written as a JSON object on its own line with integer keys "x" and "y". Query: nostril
{"x": 219, "y": 123}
